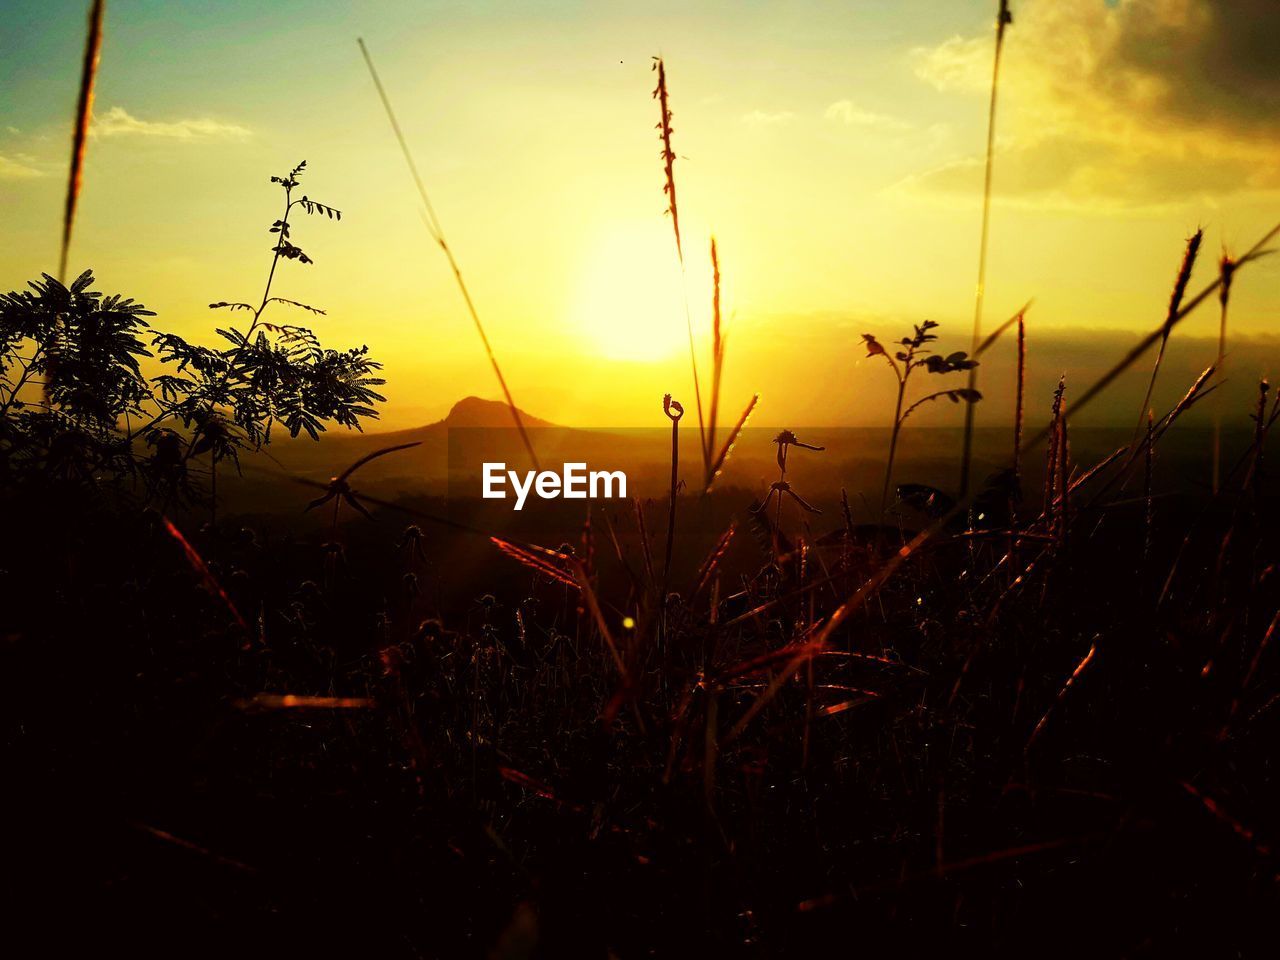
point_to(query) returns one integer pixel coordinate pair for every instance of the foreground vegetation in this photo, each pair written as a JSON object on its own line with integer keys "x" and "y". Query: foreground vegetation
{"x": 1028, "y": 722}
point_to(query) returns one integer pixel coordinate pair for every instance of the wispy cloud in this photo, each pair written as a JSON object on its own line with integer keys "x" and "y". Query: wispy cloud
{"x": 847, "y": 112}
{"x": 18, "y": 167}
{"x": 118, "y": 122}
{"x": 759, "y": 118}
{"x": 959, "y": 63}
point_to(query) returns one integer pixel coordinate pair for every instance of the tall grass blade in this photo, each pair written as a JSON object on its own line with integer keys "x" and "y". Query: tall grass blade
{"x": 674, "y": 411}
{"x": 437, "y": 234}
{"x": 673, "y": 209}
{"x": 717, "y": 358}
{"x": 1175, "y": 301}
{"x": 75, "y": 176}
{"x": 535, "y": 562}
{"x": 709, "y": 565}
{"x": 196, "y": 562}
{"x": 1020, "y": 382}
{"x": 716, "y": 466}
{"x": 1226, "y": 273}
{"x": 1003, "y": 19}
{"x": 1148, "y": 477}
{"x": 80, "y": 135}
{"x": 1051, "y": 478}
{"x": 1255, "y": 252}
{"x": 668, "y": 155}
{"x": 990, "y": 340}
{"x": 1072, "y": 680}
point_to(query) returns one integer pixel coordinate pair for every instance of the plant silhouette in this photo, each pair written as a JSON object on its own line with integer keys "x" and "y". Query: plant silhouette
{"x": 914, "y": 355}
{"x": 100, "y": 414}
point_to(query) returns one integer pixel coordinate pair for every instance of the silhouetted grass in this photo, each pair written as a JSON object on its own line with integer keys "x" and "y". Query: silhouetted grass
{"x": 437, "y": 234}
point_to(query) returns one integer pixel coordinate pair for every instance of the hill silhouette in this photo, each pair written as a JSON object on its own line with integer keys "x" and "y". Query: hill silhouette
{"x": 424, "y": 464}
{"x": 478, "y": 412}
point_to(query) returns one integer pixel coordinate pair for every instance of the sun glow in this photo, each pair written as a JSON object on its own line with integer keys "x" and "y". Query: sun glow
{"x": 630, "y": 301}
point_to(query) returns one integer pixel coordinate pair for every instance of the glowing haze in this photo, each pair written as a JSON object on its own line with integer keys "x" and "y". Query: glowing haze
{"x": 833, "y": 148}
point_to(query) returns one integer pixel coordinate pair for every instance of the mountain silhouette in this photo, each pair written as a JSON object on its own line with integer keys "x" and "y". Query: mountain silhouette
{"x": 476, "y": 412}
{"x": 489, "y": 433}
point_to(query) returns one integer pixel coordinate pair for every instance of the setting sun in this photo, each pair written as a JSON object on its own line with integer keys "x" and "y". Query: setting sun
{"x": 629, "y": 301}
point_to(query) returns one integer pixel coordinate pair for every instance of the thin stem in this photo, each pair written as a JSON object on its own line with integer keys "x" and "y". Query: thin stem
{"x": 671, "y": 510}
{"x": 923, "y": 400}
{"x": 1002, "y": 21}
{"x": 22, "y": 380}
{"x": 275, "y": 260}
{"x": 717, "y": 363}
{"x": 1016, "y": 488}
{"x": 777, "y": 516}
{"x": 1148, "y": 475}
{"x": 80, "y": 134}
{"x": 1226, "y": 268}
{"x": 674, "y": 412}
{"x": 437, "y": 234}
{"x": 693, "y": 362}
{"x": 1020, "y": 387}
{"x": 893, "y": 442}
{"x": 257, "y": 316}
{"x": 1175, "y": 301}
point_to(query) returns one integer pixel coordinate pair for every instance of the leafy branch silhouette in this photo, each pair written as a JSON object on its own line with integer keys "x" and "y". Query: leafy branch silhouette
{"x": 916, "y": 354}
{"x": 100, "y": 414}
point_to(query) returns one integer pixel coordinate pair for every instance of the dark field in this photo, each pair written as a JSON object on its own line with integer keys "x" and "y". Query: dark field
{"x": 1066, "y": 752}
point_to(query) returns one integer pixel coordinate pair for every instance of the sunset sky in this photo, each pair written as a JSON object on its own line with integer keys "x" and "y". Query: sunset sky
{"x": 833, "y": 148}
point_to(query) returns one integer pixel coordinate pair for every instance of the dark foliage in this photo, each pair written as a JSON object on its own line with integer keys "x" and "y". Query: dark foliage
{"x": 78, "y": 405}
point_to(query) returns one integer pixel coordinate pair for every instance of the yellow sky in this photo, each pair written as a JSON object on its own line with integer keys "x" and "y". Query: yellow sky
{"x": 834, "y": 149}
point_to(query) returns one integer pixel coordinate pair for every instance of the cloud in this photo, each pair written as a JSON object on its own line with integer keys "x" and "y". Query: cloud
{"x": 842, "y": 111}
{"x": 1138, "y": 102}
{"x": 1073, "y": 173}
{"x": 845, "y": 111}
{"x": 958, "y": 63}
{"x": 1197, "y": 61}
{"x": 18, "y": 167}
{"x": 118, "y": 122}
{"x": 759, "y": 118}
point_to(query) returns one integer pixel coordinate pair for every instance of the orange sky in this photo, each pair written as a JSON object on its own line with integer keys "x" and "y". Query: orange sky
{"x": 834, "y": 149}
